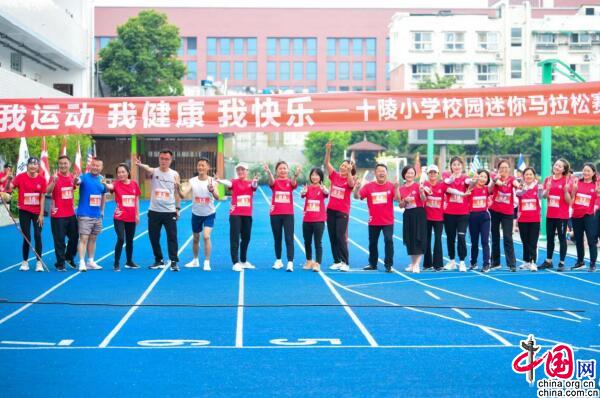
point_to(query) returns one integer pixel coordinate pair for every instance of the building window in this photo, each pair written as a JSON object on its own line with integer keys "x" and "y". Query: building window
{"x": 545, "y": 41}
{"x": 516, "y": 37}
{"x": 331, "y": 71}
{"x": 284, "y": 71}
{"x": 192, "y": 46}
{"x": 238, "y": 46}
{"x": 487, "y": 73}
{"x": 271, "y": 70}
{"x": 421, "y": 72}
{"x": 344, "y": 88}
{"x": 387, "y": 71}
{"x": 371, "y": 46}
{"x": 16, "y": 62}
{"x": 331, "y": 47}
{"x": 211, "y": 46}
{"x": 311, "y": 71}
{"x": 516, "y": 69}
{"x": 357, "y": 47}
{"x": 251, "y": 46}
{"x": 192, "y": 70}
{"x": 211, "y": 70}
{"x": 454, "y": 41}
{"x": 331, "y": 89}
{"x": 271, "y": 46}
{"x": 238, "y": 70}
{"x": 387, "y": 47}
{"x": 582, "y": 69}
{"x": 251, "y": 70}
{"x": 284, "y": 46}
{"x": 344, "y": 71}
{"x": 298, "y": 46}
{"x": 311, "y": 46}
{"x": 487, "y": 41}
{"x": 104, "y": 41}
{"x": 580, "y": 40}
{"x": 180, "y": 50}
{"x": 225, "y": 69}
{"x": 344, "y": 46}
{"x": 312, "y": 89}
{"x": 421, "y": 41}
{"x": 225, "y": 46}
{"x": 357, "y": 88}
{"x": 357, "y": 71}
{"x": 455, "y": 70}
{"x": 298, "y": 70}
{"x": 371, "y": 71}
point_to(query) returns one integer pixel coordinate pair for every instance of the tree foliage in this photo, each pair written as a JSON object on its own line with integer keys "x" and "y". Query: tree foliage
{"x": 314, "y": 146}
{"x": 438, "y": 83}
{"x": 142, "y": 60}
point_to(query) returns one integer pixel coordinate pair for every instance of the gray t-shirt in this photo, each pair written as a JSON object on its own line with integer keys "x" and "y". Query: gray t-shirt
{"x": 203, "y": 201}
{"x": 162, "y": 196}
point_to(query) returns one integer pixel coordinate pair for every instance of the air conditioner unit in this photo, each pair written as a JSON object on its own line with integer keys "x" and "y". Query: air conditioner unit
{"x": 587, "y": 57}
{"x": 536, "y": 57}
{"x": 498, "y": 56}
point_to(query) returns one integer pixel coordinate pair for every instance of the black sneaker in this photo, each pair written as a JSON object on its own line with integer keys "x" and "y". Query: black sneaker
{"x": 473, "y": 267}
{"x": 157, "y": 265}
{"x": 131, "y": 265}
{"x": 428, "y": 269}
{"x": 388, "y": 270}
{"x": 370, "y": 268}
{"x": 174, "y": 266}
{"x": 485, "y": 269}
{"x": 60, "y": 268}
{"x": 71, "y": 263}
{"x": 116, "y": 267}
{"x": 592, "y": 268}
{"x": 439, "y": 269}
{"x": 577, "y": 266}
{"x": 495, "y": 267}
{"x": 561, "y": 267}
{"x": 512, "y": 268}
{"x": 546, "y": 265}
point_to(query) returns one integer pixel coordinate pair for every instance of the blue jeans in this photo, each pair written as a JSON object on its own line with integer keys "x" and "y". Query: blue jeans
{"x": 479, "y": 225}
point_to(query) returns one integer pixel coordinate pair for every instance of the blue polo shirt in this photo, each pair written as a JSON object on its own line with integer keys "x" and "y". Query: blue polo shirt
{"x": 90, "y": 196}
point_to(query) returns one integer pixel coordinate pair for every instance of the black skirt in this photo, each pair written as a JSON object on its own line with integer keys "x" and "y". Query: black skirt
{"x": 414, "y": 231}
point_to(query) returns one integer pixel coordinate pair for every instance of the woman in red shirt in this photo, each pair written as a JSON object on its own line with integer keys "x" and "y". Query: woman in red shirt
{"x": 456, "y": 213}
{"x": 479, "y": 219}
{"x": 528, "y": 217}
{"x": 584, "y": 194}
{"x": 313, "y": 224}
{"x": 434, "y": 212}
{"x": 411, "y": 198}
{"x": 557, "y": 190}
{"x": 282, "y": 211}
{"x": 338, "y": 209}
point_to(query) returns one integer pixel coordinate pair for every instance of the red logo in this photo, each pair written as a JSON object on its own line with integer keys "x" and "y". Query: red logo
{"x": 559, "y": 362}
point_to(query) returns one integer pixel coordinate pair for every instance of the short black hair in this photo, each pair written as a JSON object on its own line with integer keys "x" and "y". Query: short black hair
{"x": 318, "y": 171}
{"x": 97, "y": 159}
{"x": 280, "y": 163}
{"x": 405, "y": 170}
{"x": 7, "y": 166}
{"x": 530, "y": 169}
{"x": 64, "y": 157}
{"x": 203, "y": 160}
{"x": 166, "y": 151}
{"x": 381, "y": 165}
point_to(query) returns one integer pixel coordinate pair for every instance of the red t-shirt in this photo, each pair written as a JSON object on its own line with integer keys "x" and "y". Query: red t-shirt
{"x": 380, "y": 200}
{"x": 62, "y": 197}
{"x": 411, "y": 195}
{"x": 282, "y": 198}
{"x": 557, "y": 205}
{"x": 242, "y": 194}
{"x": 434, "y": 204}
{"x": 30, "y": 191}
{"x": 339, "y": 194}
{"x": 478, "y": 200}
{"x": 529, "y": 206}
{"x": 126, "y": 196}
{"x": 598, "y": 200}
{"x": 4, "y": 184}
{"x": 456, "y": 204}
{"x": 503, "y": 197}
{"x": 314, "y": 204}
{"x": 585, "y": 199}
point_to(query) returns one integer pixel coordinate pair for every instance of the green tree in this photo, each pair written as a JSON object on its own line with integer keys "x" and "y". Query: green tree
{"x": 142, "y": 60}
{"x": 314, "y": 146}
{"x": 438, "y": 83}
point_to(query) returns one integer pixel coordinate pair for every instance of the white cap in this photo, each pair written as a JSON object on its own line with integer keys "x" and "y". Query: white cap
{"x": 433, "y": 167}
{"x": 241, "y": 165}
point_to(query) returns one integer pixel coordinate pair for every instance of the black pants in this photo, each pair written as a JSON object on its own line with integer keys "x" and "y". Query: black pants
{"x": 530, "y": 233}
{"x": 506, "y": 222}
{"x": 337, "y": 228}
{"x": 156, "y": 220}
{"x": 556, "y": 226}
{"x": 283, "y": 223}
{"x": 437, "y": 227}
{"x": 586, "y": 224}
{"x": 456, "y": 225}
{"x": 388, "y": 233}
{"x": 310, "y": 230}
{"x": 598, "y": 225}
{"x": 64, "y": 227}
{"x": 125, "y": 232}
{"x": 239, "y": 226}
{"x": 25, "y": 220}
{"x": 479, "y": 225}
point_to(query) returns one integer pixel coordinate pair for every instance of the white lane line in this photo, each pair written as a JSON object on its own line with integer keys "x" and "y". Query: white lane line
{"x": 278, "y": 347}
{"x": 529, "y": 296}
{"x": 239, "y": 327}
{"x": 432, "y": 295}
{"x": 574, "y": 277}
{"x": 405, "y": 281}
{"x": 140, "y": 300}
{"x": 573, "y": 314}
{"x": 495, "y": 335}
{"x": 461, "y": 312}
{"x": 28, "y": 343}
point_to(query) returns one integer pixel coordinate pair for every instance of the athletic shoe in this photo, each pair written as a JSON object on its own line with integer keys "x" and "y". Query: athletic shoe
{"x": 473, "y": 267}
{"x": 278, "y": 264}
{"x": 561, "y": 267}
{"x": 290, "y": 267}
{"x": 316, "y": 267}
{"x": 116, "y": 267}
{"x": 592, "y": 268}
{"x": 546, "y": 265}
{"x": 206, "y": 266}
{"x": 462, "y": 267}
{"x": 577, "y": 266}
{"x": 82, "y": 267}
{"x": 389, "y": 270}
{"x": 450, "y": 266}
{"x": 533, "y": 267}
{"x": 308, "y": 264}
{"x": 93, "y": 266}
{"x": 428, "y": 269}
{"x": 39, "y": 267}
{"x": 71, "y": 263}
{"x": 131, "y": 265}
{"x": 439, "y": 269}
{"x": 417, "y": 270}
{"x": 248, "y": 265}
{"x": 485, "y": 269}
{"x": 345, "y": 267}
{"x": 495, "y": 267}
{"x": 174, "y": 266}
{"x": 24, "y": 266}
{"x": 525, "y": 266}
{"x": 193, "y": 264}
{"x": 370, "y": 268}
{"x": 512, "y": 268}
{"x": 237, "y": 267}
{"x": 336, "y": 266}
{"x": 61, "y": 268}
{"x": 409, "y": 268}
{"x": 157, "y": 265}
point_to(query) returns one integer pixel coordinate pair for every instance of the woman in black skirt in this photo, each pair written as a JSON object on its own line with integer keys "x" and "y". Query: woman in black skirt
{"x": 411, "y": 198}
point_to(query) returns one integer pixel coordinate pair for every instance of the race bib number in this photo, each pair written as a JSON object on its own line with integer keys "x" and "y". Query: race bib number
{"x": 456, "y": 199}
{"x": 282, "y": 197}
{"x": 479, "y": 202}
{"x": 503, "y": 197}
{"x": 582, "y": 199}
{"x": 314, "y": 206}
{"x": 243, "y": 201}
{"x": 66, "y": 193}
{"x": 337, "y": 192}
{"x": 95, "y": 200}
{"x": 528, "y": 204}
{"x": 410, "y": 202}
{"x": 31, "y": 199}
{"x": 162, "y": 194}
{"x": 202, "y": 200}
{"x": 379, "y": 198}
{"x": 434, "y": 202}
{"x": 553, "y": 201}
{"x": 128, "y": 200}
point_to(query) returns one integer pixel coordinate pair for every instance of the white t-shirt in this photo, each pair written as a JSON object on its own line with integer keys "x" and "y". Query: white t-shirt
{"x": 202, "y": 199}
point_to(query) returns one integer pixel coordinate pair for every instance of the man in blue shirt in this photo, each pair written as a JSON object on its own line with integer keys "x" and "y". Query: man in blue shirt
{"x": 89, "y": 213}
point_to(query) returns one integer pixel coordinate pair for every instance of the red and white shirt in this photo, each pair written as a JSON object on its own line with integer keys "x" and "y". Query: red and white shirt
{"x": 380, "y": 200}
{"x": 62, "y": 197}
{"x": 503, "y": 200}
{"x": 529, "y": 204}
{"x": 557, "y": 205}
{"x": 410, "y": 194}
{"x": 457, "y": 204}
{"x": 478, "y": 200}
{"x": 126, "y": 196}
{"x": 339, "y": 193}
{"x": 282, "y": 198}
{"x": 242, "y": 193}
{"x": 31, "y": 190}
{"x": 434, "y": 203}
{"x": 314, "y": 204}
{"x": 584, "y": 199}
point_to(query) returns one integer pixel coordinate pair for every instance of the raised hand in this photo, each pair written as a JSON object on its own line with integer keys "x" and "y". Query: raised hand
{"x": 328, "y": 146}
{"x": 266, "y": 167}
{"x": 138, "y": 161}
{"x": 304, "y": 190}
{"x": 211, "y": 187}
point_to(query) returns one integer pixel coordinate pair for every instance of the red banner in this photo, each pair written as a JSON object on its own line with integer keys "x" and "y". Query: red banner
{"x": 542, "y": 105}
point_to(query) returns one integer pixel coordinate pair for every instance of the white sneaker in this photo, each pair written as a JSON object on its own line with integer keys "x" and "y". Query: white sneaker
{"x": 462, "y": 267}
{"x": 525, "y": 266}
{"x": 193, "y": 264}
{"x": 336, "y": 266}
{"x": 206, "y": 266}
{"x": 39, "y": 267}
{"x": 237, "y": 267}
{"x": 533, "y": 267}
{"x": 82, "y": 267}
{"x": 93, "y": 266}
{"x": 24, "y": 266}
{"x": 450, "y": 266}
{"x": 290, "y": 266}
{"x": 417, "y": 270}
{"x": 278, "y": 264}
{"x": 409, "y": 268}
{"x": 248, "y": 265}
{"x": 344, "y": 267}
